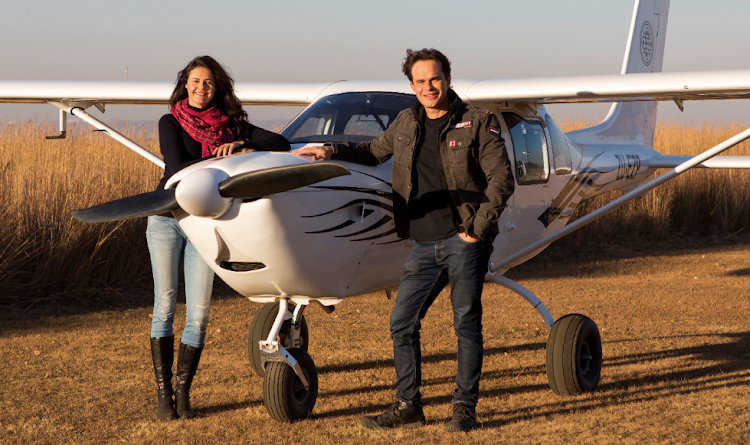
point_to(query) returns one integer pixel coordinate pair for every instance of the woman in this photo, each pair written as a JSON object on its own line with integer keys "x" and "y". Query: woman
{"x": 206, "y": 119}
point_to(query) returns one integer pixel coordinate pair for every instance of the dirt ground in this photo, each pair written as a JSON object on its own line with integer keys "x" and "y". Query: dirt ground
{"x": 674, "y": 324}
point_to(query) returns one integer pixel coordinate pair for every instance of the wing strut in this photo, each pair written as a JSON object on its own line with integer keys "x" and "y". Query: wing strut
{"x": 79, "y": 112}
{"x": 523, "y": 254}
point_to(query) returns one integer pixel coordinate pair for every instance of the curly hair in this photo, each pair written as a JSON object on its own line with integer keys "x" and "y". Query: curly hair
{"x": 413, "y": 57}
{"x": 224, "y": 98}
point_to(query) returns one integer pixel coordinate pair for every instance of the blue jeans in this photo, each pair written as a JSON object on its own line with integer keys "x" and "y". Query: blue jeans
{"x": 430, "y": 266}
{"x": 166, "y": 242}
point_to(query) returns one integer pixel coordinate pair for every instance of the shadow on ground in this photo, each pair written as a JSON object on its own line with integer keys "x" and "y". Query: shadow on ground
{"x": 728, "y": 359}
{"x": 561, "y": 260}
{"x": 62, "y": 305}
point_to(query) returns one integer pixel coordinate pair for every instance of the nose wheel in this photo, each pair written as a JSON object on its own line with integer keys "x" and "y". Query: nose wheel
{"x": 284, "y": 394}
{"x": 277, "y": 349}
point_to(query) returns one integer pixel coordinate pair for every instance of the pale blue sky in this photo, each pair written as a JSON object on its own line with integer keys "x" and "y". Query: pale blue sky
{"x": 306, "y": 41}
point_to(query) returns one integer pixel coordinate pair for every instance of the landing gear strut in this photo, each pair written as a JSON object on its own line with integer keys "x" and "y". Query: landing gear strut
{"x": 574, "y": 347}
{"x": 277, "y": 348}
{"x": 290, "y": 336}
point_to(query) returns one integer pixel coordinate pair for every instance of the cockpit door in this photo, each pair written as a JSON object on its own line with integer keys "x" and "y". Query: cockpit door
{"x": 531, "y": 167}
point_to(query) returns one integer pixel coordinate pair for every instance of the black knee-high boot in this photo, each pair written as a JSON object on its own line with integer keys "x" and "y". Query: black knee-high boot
{"x": 162, "y": 354}
{"x": 187, "y": 364}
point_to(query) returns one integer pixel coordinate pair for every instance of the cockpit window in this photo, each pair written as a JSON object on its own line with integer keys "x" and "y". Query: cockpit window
{"x": 315, "y": 125}
{"x": 529, "y": 148}
{"x": 354, "y": 117}
{"x": 367, "y": 124}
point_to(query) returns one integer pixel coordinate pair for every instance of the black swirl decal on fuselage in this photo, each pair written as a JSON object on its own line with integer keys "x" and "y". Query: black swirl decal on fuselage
{"x": 585, "y": 177}
{"x": 363, "y": 204}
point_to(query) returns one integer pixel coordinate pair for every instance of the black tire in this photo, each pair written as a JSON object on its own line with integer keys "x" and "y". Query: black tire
{"x": 261, "y": 325}
{"x": 574, "y": 355}
{"x": 285, "y": 398}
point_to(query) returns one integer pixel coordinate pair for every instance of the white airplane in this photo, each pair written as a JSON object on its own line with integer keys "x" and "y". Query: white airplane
{"x": 287, "y": 231}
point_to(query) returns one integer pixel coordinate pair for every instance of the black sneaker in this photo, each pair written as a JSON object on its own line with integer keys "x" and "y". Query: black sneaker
{"x": 400, "y": 414}
{"x": 464, "y": 418}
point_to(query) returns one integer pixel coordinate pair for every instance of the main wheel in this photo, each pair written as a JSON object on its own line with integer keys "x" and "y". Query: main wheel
{"x": 261, "y": 325}
{"x": 285, "y": 397}
{"x": 574, "y": 355}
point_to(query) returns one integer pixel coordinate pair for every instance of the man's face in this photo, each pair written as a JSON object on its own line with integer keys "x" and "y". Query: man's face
{"x": 430, "y": 85}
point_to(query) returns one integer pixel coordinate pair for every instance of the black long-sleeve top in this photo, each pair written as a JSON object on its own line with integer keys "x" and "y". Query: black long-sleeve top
{"x": 180, "y": 150}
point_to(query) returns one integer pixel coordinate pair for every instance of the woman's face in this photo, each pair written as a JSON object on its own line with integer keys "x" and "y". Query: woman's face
{"x": 201, "y": 87}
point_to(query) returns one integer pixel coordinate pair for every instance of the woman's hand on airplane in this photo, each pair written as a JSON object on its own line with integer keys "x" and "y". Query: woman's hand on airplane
{"x": 230, "y": 148}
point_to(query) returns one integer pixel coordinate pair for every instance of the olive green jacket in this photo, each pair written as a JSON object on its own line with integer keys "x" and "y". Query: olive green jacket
{"x": 477, "y": 168}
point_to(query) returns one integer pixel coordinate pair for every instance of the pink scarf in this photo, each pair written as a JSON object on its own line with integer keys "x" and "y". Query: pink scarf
{"x": 209, "y": 127}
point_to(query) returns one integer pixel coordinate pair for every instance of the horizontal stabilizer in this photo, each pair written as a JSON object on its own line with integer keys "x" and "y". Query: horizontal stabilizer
{"x": 716, "y": 162}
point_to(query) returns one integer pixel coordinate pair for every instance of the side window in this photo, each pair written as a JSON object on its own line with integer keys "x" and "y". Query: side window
{"x": 530, "y": 149}
{"x": 560, "y": 149}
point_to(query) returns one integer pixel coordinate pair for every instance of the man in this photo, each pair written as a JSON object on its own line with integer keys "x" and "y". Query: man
{"x": 451, "y": 180}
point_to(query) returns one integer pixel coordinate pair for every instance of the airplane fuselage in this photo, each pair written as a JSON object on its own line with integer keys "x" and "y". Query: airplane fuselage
{"x": 336, "y": 238}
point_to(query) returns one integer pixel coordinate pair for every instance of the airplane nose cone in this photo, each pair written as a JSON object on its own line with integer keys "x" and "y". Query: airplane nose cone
{"x": 198, "y": 193}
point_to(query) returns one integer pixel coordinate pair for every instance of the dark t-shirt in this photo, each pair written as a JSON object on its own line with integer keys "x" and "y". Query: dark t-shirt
{"x": 430, "y": 205}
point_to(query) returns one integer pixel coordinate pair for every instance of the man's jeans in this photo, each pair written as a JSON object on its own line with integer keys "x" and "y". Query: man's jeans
{"x": 432, "y": 265}
{"x": 166, "y": 241}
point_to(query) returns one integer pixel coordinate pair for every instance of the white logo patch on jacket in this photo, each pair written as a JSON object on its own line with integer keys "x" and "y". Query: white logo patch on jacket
{"x": 466, "y": 124}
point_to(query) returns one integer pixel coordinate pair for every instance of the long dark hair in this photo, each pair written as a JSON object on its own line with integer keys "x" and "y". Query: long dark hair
{"x": 224, "y": 98}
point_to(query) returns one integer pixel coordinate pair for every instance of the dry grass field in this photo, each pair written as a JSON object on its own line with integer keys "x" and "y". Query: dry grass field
{"x": 676, "y": 368}
{"x": 665, "y": 278}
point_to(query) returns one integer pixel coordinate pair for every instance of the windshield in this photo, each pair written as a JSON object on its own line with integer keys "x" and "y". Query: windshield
{"x": 355, "y": 117}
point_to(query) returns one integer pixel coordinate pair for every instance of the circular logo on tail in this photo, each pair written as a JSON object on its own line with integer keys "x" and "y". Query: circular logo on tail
{"x": 647, "y": 43}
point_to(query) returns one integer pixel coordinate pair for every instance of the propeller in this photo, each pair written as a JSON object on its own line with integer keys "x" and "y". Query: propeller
{"x": 199, "y": 195}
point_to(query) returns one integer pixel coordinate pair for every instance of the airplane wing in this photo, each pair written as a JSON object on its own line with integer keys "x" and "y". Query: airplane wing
{"x": 699, "y": 85}
{"x": 147, "y": 93}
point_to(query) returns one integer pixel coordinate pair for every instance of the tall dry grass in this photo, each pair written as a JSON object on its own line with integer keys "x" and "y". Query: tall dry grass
{"x": 45, "y": 254}
{"x": 698, "y": 202}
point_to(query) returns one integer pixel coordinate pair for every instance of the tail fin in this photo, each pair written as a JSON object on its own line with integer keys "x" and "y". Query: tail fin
{"x": 634, "y": 122}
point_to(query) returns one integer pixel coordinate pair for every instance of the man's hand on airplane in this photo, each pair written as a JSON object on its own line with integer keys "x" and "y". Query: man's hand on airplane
{"x": 318, "y": 152}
